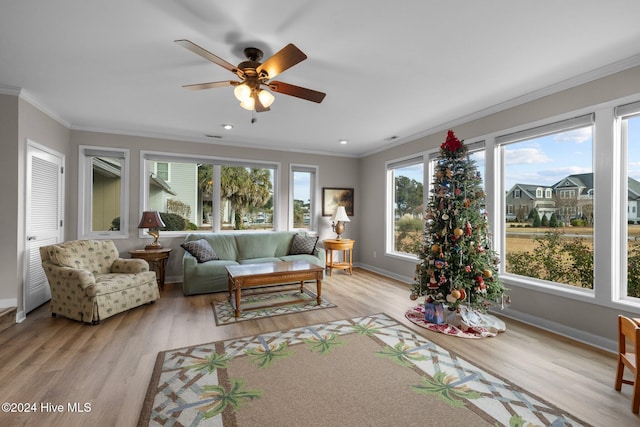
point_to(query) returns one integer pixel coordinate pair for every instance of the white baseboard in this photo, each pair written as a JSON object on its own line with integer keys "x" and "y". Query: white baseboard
{"x": 557, "y": 328}
{"x": 8, "y": 302}
{"x": 407, "y": 280}
{"x": 560, "y": 329}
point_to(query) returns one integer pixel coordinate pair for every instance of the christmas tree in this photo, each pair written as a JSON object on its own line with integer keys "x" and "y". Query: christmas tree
{"x": 457, "y": 265}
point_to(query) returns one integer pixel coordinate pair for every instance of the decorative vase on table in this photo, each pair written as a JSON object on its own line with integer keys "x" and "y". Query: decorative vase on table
{"x": 457, "y": 265}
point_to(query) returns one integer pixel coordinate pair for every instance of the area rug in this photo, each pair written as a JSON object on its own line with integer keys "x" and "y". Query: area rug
{"x": 490, "y": 327}
{"x": 224, "y": 314}
{"x": 364, "y": 371}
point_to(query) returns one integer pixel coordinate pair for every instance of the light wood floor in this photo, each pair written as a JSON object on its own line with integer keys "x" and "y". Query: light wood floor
{"x": 61, "y": 361}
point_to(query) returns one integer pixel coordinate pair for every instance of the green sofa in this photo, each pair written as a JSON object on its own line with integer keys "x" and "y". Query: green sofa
{"x": 239, "y": 248}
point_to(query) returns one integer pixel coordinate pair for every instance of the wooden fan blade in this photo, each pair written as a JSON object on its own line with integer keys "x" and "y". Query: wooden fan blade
{"x": 282, "y": 60}
{"x": 206, "y": 55}
{"x": 211, "y": 85}
{"x": 297, "y": 91}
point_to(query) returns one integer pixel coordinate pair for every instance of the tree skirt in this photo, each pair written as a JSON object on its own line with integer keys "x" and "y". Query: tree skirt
{"x": 466, "y": 324}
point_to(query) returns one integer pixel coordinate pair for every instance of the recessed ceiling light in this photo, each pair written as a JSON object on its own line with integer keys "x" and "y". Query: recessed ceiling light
{"x": 343, "y": 141}
{"x": 227, "y": 126}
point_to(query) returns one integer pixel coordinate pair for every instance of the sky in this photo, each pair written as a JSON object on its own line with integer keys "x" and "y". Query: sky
{"x": 548, "y": 159}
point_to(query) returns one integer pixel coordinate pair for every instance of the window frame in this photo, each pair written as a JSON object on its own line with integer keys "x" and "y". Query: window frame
{"x": 217, "y": 162}
{"x": 497, "y": 143}
{"x": 621, "y": 114}
{"x": 85, "y": 191}
{"x": 390, "y": 166}
{"x": 314, "y": 212}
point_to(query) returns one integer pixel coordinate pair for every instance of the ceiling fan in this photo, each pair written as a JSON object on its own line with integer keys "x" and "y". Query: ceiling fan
{"x": 255, "y": 76}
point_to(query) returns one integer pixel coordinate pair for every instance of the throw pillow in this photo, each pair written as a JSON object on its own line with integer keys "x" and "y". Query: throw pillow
{"x": 303, "y": 244}
{"x": 201, "y": 250}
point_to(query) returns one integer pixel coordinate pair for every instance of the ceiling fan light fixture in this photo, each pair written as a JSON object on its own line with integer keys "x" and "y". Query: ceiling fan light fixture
{"x": 248, "y": 104}
{"x": 242, "y": 92}
{"x": 266, "y": 98}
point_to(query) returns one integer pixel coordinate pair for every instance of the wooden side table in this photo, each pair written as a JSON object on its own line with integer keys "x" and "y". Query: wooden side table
{"x": 157, "y": 259}
{"x": 344, "y": 245}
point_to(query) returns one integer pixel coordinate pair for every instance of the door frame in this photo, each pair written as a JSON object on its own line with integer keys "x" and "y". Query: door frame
{"x": 32, "y": 145}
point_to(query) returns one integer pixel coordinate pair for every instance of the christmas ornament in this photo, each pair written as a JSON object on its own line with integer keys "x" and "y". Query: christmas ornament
{"x": 456, "y": 249}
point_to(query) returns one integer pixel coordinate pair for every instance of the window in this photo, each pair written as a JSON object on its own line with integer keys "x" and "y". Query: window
{"x": 302, "y": 201}
{"x": 405, "y": 197}
{"x": 162, "y": 170}
{"x": 629, "y": 116}
{"x": 103, "y": 192}
{"x": 558, "y": 156}
{"x": 516, "y": 194}
{"x": 202, "y": 193}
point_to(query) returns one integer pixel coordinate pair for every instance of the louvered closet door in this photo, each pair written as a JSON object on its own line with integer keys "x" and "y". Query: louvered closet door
{"x": 43, "y": 221}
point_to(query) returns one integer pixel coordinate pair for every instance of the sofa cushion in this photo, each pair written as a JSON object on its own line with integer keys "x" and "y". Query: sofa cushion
{"x": 224, "y": 244}
{"x": 303, "y": 244}
{"x": 201, "y": 250}
{"x": 263, "y": 244}
{"x": 109, "y": 283}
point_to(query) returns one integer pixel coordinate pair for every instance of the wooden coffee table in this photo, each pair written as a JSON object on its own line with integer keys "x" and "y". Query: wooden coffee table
{"x": 244, "y": 276}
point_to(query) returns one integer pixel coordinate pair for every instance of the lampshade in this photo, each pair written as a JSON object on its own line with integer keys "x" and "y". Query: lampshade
{"x": 151, "y": 219}
{"x": 248, "y": 104}
{"x": 340, "y": 215}
{"x": 242, "y": 92}
{"x": 266, "y": 98}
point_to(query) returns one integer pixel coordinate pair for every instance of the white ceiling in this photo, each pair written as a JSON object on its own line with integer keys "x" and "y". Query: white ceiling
{"x": 400, "y": 68}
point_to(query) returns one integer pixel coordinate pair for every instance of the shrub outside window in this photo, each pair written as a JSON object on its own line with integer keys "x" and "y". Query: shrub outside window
{"x": 548, "y": 234}
{"x": 629, "y": 116}
{"x": 405, "y": 197}
{"x": 204, "y": 194}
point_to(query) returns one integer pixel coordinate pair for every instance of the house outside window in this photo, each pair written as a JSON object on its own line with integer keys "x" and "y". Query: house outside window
{"x": 162, "y": 170}
{"x": 103, "y": 187}
{"x": 542, "y": 251}
{"x": 629, "y": 122}
{"x": 208, "y": 194}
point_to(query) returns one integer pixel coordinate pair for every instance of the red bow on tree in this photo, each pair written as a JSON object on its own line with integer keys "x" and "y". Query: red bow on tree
{"x": 452, "y": 143}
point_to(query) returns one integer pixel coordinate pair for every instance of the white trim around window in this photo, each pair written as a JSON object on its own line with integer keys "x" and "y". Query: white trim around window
{"x": 86, "y": 156}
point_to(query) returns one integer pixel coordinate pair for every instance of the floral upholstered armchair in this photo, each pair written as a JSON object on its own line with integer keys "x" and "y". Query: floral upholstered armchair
{"x": 90, "y": 282}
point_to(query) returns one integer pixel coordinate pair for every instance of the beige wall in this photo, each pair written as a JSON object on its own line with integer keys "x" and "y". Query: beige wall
{"x": 584, "y": 320}
{"x": 10, "y": 197}
{"x": 19, "y": 121}
{"x": 332, "y": 172}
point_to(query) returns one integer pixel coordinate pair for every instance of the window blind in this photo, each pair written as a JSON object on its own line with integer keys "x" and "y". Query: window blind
{"x": 561, "y": 126}
{"x": 628, "y": 110}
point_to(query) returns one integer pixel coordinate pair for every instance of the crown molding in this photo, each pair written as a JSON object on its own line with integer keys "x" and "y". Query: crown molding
{"x": 598, "y": 73}
{"x": 21, "y": 93}
{"x": 27, "y": 96}
{"x": 9, "y": 90}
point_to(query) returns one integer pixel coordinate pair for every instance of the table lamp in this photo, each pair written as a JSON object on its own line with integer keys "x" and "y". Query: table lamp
{"x": 152, "y": 221}
{"x": 338, "y": 221}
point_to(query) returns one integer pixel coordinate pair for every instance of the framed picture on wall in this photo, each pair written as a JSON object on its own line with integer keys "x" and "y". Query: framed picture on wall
{"x": 334, "y": 197}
